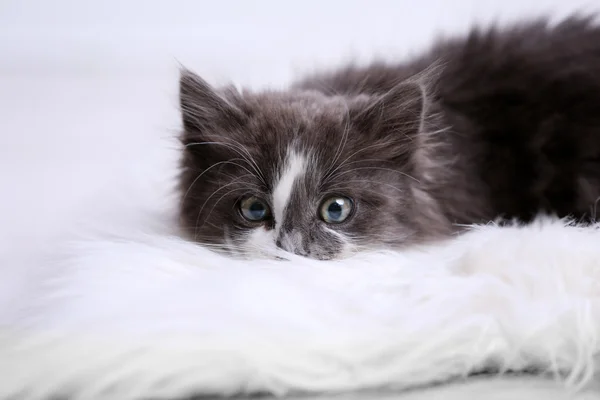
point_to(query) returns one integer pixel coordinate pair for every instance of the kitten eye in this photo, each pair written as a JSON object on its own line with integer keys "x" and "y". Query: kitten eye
{"x": 336, "y": 209}
{"x": 254, "y": 209}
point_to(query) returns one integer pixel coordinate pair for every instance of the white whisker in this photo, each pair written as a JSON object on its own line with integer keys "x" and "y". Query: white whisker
{"x": 208, "y": 169}
{"x": 371, "y": 168}
{"x": 245, "y": 187}
{"x": 241, "y": 151}
{"x": 367, "y": 181}
{"x": 343, "y": 141}
{"x": 352, "y": 155}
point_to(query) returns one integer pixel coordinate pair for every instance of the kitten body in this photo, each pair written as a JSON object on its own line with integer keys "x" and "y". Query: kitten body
{"x": 500, "y": 123}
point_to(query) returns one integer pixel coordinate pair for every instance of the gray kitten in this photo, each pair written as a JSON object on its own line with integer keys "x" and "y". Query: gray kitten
{"x": 500, "y": 123}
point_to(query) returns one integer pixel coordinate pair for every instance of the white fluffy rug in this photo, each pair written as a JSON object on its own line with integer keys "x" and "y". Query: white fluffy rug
{"x": 147, "y": 315}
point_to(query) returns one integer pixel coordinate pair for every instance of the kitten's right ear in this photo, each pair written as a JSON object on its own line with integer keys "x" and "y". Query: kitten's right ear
{"x": 202, "y": 108}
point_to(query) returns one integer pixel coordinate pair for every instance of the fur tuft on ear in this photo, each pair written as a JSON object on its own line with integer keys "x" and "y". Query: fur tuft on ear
{"x": 394, "y": 119}
{"x": 402, "y": 108}
{"x": 404, "y": 114}
{"x": 203, "y": 108}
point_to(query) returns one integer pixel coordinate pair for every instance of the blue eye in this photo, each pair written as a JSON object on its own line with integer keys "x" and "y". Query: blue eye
{"x": 254, "y": 209}
{"x": 336, "y": 209}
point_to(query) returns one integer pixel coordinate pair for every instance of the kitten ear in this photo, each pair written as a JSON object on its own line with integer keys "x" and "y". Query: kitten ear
{"x": 398, "y": 115}
{"x": 202, "y": 108}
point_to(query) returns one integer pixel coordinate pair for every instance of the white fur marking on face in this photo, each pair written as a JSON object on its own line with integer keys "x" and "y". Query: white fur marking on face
{"x": 293, "y": 168}
{"x": 347, "y": 247}
{"x": 260, "y": 242}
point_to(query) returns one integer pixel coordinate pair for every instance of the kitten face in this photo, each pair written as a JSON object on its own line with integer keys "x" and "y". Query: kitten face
{"x": 315, "y": 175}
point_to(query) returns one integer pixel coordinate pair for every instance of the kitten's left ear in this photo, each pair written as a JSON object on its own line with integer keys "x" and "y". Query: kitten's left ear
{"x": 203, "y": 109}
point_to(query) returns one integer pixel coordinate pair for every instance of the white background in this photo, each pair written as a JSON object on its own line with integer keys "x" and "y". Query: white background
{"x": 88, "y": 104}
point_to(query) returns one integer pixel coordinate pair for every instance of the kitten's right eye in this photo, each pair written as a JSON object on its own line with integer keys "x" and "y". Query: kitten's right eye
{"x": 254, "y": 209}
{"x": 337, "y": 209}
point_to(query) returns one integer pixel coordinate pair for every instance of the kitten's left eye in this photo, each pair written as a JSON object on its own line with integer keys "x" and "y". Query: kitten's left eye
{"x": 254, "y": 209}
{"x": 336, "y": 209}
